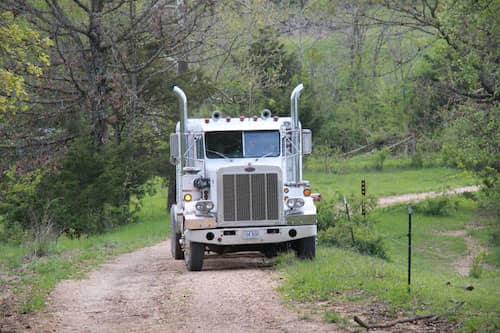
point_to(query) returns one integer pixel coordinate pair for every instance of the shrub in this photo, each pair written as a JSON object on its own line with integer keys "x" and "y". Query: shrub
{"x": 90, "y": 192}
{"x": 42, "y": 232}
{"x": 417, "y": 159}
{"x": 96, "y": 185}
{"x": 440, "y": 206}
{"x": 380, "y": 158}
{"x": 353, "y": 232}
{"x": 18, "y": 197}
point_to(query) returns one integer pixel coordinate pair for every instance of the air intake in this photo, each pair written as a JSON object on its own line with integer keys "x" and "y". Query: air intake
{"x": 216, "y": 115}
{"x": 266, "y": 114}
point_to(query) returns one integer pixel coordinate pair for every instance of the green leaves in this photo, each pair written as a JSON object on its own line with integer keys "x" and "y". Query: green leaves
{"x": 22, "y": 55}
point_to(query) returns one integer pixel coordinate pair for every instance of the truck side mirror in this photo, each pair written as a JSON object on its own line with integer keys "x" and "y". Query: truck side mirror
{"x": 306, "y": 141}
{"x": 174, "y": 148}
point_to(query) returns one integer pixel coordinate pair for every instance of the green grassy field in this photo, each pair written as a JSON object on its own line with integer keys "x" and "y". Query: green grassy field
{"x": 32, "y": 279}
{"x": 337, "y": 274}
{"x": 382, "y": 183}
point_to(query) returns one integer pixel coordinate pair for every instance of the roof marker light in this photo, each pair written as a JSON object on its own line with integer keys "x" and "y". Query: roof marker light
{"x": 228, "y": 119}
{"x": 242, "y": 118}
{"x": 255, "y": 118}
{"x": 207, "y": 120}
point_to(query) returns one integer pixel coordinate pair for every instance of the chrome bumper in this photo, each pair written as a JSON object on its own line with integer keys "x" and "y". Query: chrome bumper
{"x": 250, "y": 235}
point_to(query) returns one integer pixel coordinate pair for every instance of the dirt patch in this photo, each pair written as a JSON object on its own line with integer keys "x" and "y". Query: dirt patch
{"x": 464, "y": 264}
{"x": 455, "y": 233}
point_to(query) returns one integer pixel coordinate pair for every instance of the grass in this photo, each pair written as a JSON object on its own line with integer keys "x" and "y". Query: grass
{"x": 338, "y": 274}
{"x": 369, "y": 162}
{"x": 383, "y": 183}
{"x": 33, "y": 278}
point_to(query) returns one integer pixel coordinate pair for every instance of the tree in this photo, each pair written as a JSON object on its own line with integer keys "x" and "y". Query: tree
{"x": 98, "y": 115}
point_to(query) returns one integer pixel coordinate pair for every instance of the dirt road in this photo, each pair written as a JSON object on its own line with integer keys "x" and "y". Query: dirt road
{"x": 413, "y": 197}
{"x": 148, "y": 291}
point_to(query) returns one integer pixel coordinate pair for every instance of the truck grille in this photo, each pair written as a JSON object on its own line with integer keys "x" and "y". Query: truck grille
{"x": 250, "y": 197}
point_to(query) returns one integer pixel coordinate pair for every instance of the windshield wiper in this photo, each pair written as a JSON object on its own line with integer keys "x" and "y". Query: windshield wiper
{"x": 217, "y": 153}
{"x": 265, "y": 155}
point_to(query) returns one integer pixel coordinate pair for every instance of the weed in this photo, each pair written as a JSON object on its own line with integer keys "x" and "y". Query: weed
{"x": 476, "y": 270}
{"x": 333, "y": 317}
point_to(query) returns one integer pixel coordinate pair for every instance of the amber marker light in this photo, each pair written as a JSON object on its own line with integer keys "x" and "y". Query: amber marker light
{"x": 188, "y": 197}
{"x": 286, "y": 190}
{"x": 307, "y": 192}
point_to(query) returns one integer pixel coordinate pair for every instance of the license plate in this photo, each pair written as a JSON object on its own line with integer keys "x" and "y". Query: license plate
{"x": 250, "y": 234}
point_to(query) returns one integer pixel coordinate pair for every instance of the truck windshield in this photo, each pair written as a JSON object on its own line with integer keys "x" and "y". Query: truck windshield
{"x": 240, "y": 144}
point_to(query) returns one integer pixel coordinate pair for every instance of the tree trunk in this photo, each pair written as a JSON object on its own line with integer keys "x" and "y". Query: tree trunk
{"x": 98, "y": 75}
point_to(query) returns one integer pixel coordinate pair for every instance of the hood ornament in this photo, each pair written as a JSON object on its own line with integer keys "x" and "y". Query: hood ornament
{"x": 249, "y": 168}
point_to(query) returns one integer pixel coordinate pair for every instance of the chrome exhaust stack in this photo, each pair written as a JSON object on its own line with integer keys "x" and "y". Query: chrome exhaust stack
{"x": 297, "y": 136}
{"x": 294, "y": 104}
{"x": 183, "y": 120}
{"x": 182, "y": 137}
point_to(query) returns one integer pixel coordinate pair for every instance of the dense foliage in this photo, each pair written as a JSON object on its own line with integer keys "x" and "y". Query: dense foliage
{"x": 82, "y": 137}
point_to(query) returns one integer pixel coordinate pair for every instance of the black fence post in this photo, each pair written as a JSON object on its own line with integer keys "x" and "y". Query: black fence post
{"x": 363, "y": 193}
{"x": 410, "y": 211}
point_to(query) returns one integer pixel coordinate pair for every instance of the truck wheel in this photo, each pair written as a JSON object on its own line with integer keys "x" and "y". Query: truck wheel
{"x": 175, "y": 246}
{"x": 193, "y": 255}
{"x": 305, "y": 248}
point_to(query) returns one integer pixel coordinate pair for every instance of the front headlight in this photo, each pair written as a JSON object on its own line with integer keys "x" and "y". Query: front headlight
{"x": 204, "y": 206}
{"x": 295, "y": 203}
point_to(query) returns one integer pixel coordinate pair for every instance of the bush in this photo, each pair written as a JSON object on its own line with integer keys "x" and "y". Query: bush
{"x": 18, "y": 197}
{"x": 417, "y": 159}
{"x": 380, "y": 158}
{"x": 353, "y": 232}
{"x": 96, "y": 187}
{"x": 42, "y": 233}
{"x": 90, "y": 192}
{"x": 440, "y": 206}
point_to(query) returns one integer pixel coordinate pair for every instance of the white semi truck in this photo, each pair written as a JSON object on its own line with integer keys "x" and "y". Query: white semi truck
{"x": 239, "y": 185}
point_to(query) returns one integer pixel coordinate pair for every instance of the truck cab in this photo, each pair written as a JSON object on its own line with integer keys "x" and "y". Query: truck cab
{"x": 239, "y": 185}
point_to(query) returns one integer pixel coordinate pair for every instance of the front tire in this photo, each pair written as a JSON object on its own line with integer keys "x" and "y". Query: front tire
{"x": 175, "y": 246}
{"x": 193, "y": 255}
{"x": 305, "y": 248}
